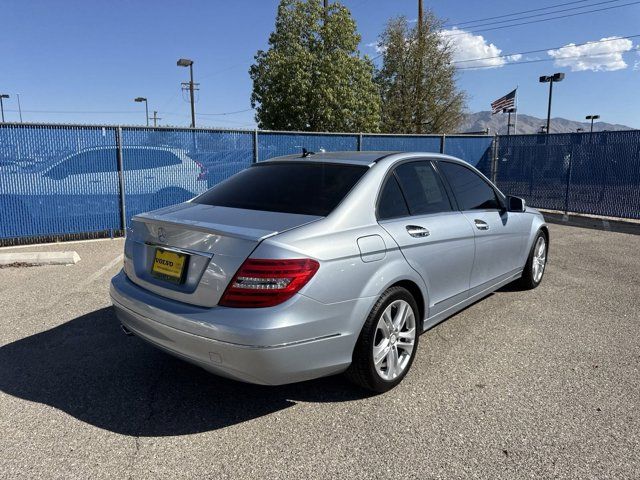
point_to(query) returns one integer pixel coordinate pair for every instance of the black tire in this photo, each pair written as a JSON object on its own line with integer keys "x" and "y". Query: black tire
{"x": 528, "y": 281}
{"x": 362, "y": 370}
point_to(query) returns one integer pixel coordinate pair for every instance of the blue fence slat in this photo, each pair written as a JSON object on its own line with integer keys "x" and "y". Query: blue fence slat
{"x": 401, "y": 143}
{"x": 275, "y": 144}
{"x": 57, "y": 180}
{"x": 475, "y": 150}
{"x": 165, "y": 167}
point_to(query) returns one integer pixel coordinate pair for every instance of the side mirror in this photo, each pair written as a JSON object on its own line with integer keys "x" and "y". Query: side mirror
{"x": 516, "y": 204}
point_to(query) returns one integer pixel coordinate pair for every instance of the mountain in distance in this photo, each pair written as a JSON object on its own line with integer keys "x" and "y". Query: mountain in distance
{"x": 479, "y": 121}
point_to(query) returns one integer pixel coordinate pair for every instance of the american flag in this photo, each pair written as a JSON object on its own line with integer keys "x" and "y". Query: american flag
{"x": 508, "y": 101}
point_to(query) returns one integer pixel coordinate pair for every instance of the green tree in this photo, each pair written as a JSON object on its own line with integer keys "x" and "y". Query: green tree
{"x": 312, "y": 77}
{"x": 417, "y": 79}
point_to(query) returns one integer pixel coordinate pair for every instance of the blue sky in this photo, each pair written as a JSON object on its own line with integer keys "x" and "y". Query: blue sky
{"x": 83, "y": 57}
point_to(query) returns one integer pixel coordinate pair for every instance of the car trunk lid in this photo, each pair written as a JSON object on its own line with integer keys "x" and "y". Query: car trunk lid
{"x": 211, "y": 241}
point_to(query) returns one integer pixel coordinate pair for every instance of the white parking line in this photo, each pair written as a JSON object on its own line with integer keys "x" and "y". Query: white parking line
{"x": 92, "y": 278}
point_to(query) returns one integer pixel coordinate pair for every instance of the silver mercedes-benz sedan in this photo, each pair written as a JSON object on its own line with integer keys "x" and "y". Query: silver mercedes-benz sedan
{"x": 311, "y": 265}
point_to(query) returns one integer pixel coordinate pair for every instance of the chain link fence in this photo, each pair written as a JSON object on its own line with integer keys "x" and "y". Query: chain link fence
{"x": 62, "y": 182}
{"x": 589, "y": 173}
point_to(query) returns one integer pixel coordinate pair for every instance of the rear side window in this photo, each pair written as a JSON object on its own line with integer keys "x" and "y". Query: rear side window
{"x": 291, "y": 187}
{"x": 391, "y": 203}
{"x": 90, "y": 161}
{"x": 148, "y": 158}
{"x": 471, "y": 191}
{"x": 422, "y": 188}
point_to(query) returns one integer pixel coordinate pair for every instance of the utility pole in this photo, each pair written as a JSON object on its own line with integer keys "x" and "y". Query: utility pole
{"x": 155, "y": 118}
{"x": 185, "y": 62}
{"x": 419, "y": 118}
{"x": 3, "y": 95}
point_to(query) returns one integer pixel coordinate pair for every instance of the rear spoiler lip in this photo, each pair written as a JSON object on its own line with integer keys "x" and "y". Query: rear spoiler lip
{"x": 243, "y": 233}
{"x": 211, "y": 228}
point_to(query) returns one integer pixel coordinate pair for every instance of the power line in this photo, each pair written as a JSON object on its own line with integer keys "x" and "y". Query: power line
{"x": 537, "y": 60}
{"x": 123, "y": 112}
{"x": 506, "y": 55}
{"x": 463, "y": 32}
{"x": 520, "y": 12}
{"x": 227, "y": 113}
{"x": 76, "y": 111}
{"x": 544, "y": 14}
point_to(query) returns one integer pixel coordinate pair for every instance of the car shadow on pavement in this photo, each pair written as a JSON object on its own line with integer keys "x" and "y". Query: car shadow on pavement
{"x": 89, "y": 369}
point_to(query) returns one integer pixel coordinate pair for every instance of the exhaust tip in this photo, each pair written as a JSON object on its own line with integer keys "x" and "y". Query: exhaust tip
{"x": 125, "y": 330}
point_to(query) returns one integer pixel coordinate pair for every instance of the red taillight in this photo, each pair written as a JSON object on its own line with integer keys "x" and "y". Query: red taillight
{"x": 265, "y": 283}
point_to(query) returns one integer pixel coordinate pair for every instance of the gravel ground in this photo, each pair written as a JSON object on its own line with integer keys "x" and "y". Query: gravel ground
{"x": 537, "y": 384}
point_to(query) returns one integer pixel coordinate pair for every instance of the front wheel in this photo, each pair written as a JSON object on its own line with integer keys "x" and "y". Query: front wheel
{"x": 388, "y": 341}
{"x": 536, "y": 263}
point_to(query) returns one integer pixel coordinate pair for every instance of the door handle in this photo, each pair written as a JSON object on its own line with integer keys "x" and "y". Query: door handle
{"x": 417, "y": 231}
{"x": 481, "y": 225}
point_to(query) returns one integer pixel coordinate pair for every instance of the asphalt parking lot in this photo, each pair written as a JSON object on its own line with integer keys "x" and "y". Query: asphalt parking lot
{"x": 536, "y": 384}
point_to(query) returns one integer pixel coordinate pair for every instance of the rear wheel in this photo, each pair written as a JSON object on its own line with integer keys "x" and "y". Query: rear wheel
{"x": 388, "y": 341}
{"x": 536, "y": 263}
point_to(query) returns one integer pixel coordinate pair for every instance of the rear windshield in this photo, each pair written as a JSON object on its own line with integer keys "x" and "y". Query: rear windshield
{"x": 305, "y": 188}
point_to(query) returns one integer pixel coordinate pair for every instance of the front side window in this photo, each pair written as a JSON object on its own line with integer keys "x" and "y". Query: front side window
{"x": 306, "y": 188}
{"x": 422, "y": 188}
{"x": 471, "y": 191}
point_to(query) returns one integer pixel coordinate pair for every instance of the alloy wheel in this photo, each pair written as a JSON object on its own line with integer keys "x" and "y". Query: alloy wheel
{"x": 394, "y": 340}
{"x": 539, "y": 259}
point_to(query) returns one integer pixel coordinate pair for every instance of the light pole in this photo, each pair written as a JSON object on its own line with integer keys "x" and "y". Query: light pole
{"x": 509, "y": 111}
{"x": 185, "y": 62}
{"x": 3, "y": 95}
{"x": 19, "y": 107}
{"x": 592, "y": 118}
{"x": 146, "y": 106}
{"x": 556, "y": 77}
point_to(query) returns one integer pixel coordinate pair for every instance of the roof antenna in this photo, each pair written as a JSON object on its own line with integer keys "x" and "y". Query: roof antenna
{"x": 306, "y": 153}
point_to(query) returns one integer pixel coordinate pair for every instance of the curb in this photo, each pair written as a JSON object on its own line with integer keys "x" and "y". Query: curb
{"x": 40, "y": 258}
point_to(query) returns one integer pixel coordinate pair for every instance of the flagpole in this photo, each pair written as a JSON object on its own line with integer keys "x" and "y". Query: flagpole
{"x": 515, "y": 122}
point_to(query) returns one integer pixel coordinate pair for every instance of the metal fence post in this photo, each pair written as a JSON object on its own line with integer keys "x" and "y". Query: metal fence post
{"x": 494, "y": 159}
{"x": 255, "y": 146}
{"x": 442, "y": 142}
{"x": 568, "y": 185}
{"x": 123, "y": 216}
{"x": 359, "y": 142}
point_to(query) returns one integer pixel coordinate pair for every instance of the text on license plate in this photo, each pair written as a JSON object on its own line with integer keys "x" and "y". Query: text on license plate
{"x": 169, "y": 265}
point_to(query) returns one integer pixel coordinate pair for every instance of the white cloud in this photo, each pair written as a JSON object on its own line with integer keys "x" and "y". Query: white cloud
{"x": 481, "y": 54}
{"x": 379, "y": 48}
{"x": 636, "y": 66}
{"x": 603, "y": 56}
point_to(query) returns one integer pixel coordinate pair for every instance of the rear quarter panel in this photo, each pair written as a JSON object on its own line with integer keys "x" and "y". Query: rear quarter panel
{"x": 343, "y": 275}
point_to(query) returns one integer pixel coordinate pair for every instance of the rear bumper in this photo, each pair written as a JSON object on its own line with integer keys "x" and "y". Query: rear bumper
{"x": 296, "y": 341}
